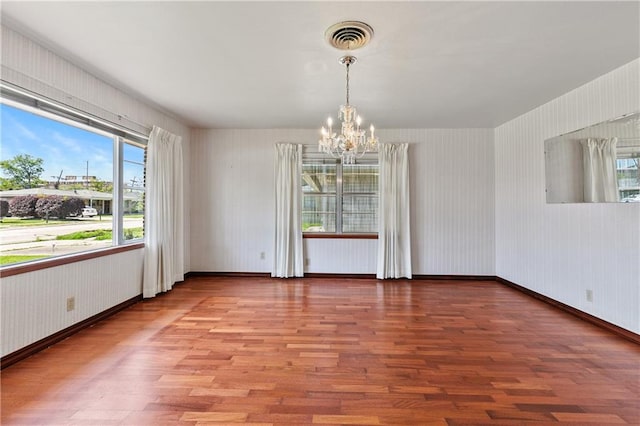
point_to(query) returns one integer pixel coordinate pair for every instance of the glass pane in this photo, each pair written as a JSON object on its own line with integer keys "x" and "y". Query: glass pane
{"x": 133, "y": 196}
{"x": 629, "y": 177}
{"x": 360, "y": 178}
{"x": 360, "y": 213}
{"x": 318, "y": 213}
{"x": 319, "y": 178}
{"x": 57, "y": 187}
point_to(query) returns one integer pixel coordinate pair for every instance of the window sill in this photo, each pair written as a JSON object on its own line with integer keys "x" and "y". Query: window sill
{"x": 38, "y": 265}
{"x": 340, "y": 236}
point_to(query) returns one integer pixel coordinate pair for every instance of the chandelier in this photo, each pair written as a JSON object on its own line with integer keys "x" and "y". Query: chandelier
{"x": 352, "y": 142}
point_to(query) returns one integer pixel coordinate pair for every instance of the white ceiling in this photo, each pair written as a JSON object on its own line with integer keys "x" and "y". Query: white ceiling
{"x": 267, "y": 64}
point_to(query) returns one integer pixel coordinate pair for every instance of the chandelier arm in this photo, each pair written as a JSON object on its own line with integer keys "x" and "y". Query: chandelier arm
{"x": 332, "y": 154}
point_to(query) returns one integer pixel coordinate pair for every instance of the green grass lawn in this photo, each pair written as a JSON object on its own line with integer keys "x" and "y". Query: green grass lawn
{"x": 98, "y": 234}
{"x": 133, "y": 233}
{"x": 7, "y": 259}
{"x": 306, "y": 226}
{"x": 8, "y": 222}
{"x": 101, "y": 234}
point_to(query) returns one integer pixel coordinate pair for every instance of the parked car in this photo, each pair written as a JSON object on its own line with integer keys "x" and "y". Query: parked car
{"x": 89, "y": 212}
{"x": 631, "y": 199}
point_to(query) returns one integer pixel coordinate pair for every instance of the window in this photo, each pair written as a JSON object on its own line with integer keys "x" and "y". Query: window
{"x": 339, "y": 198}
{"x": 67, "y": 186}
{"x": 628, "y": 172}
{"x": 133, "y": 195}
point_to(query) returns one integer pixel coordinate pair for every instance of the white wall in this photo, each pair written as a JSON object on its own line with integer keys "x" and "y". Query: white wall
{"x": 562, "y": 250}
{"x": 33, "y": 305}
{"x": 452, "y": 203}
{"x": 452, "y": 200}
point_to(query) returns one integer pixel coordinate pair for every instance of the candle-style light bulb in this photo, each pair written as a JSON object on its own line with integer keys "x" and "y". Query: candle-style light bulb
{"x": 358, "y": 121}
{"x": 372, "y": 130}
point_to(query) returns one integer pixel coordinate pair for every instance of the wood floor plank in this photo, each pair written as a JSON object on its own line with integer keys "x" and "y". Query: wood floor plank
{"x": 262, "y": 351}
{"x": 346, "y": 420}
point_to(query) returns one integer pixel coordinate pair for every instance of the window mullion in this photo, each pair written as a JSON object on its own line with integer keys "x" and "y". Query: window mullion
{"x": 117, "y": 204}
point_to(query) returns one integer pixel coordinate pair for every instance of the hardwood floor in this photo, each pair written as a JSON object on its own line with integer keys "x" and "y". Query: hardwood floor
{"x": 331, "y": 351}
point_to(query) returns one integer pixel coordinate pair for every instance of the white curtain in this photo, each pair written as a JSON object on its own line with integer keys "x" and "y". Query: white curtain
{"x": 599, "y": 161}
{"x": 394, "y": 238}
{"x": 164, "y": 213}
{"x": 288, "y": 261}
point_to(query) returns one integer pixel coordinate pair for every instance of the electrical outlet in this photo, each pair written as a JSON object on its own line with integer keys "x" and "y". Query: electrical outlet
{"x": 589, "y": 295}
{"x": 71, "y": 304}
{"x": 262, "y": 255}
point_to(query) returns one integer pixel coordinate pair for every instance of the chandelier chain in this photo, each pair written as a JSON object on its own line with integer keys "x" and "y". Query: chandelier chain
{"x": 348, "y": 83}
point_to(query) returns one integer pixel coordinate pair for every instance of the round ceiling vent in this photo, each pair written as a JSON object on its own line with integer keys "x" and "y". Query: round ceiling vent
{"x": 349, "y": 35}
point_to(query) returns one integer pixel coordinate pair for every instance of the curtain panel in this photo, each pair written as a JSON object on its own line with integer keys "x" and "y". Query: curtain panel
{"x": 288, "y": 257}
{"x": 394, "y": 235}
{"x": 600, "y": 174}
{"x": 164, "y": 209}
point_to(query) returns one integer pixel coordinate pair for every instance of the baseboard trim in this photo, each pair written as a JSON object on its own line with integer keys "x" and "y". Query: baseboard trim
{"x": 193, "y": 274}
{"x": 42, "y": 344}
{"x": 334, "y": 275}
{"x": 414, "y": 277}
{"x": 622, "y": 332}
{"x": 268, "y": 275}
{"x": 456, "y": 277}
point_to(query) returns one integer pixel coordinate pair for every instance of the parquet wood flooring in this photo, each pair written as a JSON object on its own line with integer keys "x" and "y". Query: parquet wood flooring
{"x": 324, "y": 351}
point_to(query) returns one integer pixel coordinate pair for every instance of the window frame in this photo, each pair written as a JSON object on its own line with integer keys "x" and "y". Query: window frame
{"x": 52, "y": 110}
{"x": 308, "y": 156}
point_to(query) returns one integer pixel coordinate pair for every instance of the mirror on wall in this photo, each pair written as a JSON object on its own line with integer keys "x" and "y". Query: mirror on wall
{"x": 597, "y": 164}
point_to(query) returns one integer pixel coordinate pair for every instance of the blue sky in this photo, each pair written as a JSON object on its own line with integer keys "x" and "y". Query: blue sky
{"x": 63, "y": 147}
